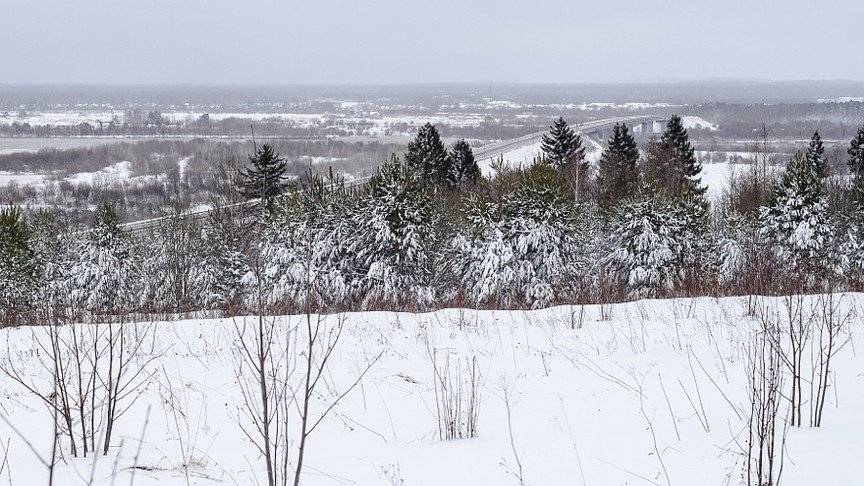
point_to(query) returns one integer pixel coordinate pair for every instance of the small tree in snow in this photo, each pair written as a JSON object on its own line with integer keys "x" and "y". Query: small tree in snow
{"x": 395, "y": 238}
{"x": 796, "y": 222}
{"x": 221, "y": 265}
{"x": 655, "y": 242}
{"x": 102, "y": 280}
{"x": 524, "y": 248}
{"x": 19, "y": 272}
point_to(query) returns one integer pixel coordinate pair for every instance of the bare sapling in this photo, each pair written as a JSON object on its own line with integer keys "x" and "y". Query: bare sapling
{"x": 518, "y": 472}
{"x": 766, "y": 428}
{"x": 790, "y": 339}
{"x": 264, "y": 374}
{"x": 322, "y": 340}
{"x": 88, "y": 376}
{"x": 827, "y": 341}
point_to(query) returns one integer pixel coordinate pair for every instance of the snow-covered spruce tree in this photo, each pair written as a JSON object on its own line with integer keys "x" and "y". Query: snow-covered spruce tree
{"x": 856, "y": 166}
{"x": 815, "y": 156}
{"x": 524, "y": 248}
{"x": 797, "y": 226}
{"x": 167, "y": 269}
{"x": 849, "y": 244}
{"x": 671, "y": 164}
{"x": 562, "y": 148}
{"x": 305, "y": 248}
{"x": 394, "y": 238}
{"x": 656, "y": 242}
{"x": 19, "y": 271}
{"x": 463, "y": 169}
{"x": 221, "y": 264}
{"x": 265, "y": 177}
{"x": 618, "y": 171}
{"x": 55, "y": 251}
{"x": 104, "y": 279}
{"x": 427, "y": 156}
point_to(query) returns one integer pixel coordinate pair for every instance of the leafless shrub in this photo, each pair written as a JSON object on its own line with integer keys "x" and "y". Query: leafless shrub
{"x": 264, "y": 374}
{"x": 457, "y": 398}
{"x": 276, "y": 389}
{"x": 88, "y": 376}
{"x": 827, "y": 342}
{"x": 766, "y": 437}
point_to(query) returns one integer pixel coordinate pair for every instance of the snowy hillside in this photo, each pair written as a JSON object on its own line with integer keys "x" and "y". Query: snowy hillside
{"x": 650, "y": 392}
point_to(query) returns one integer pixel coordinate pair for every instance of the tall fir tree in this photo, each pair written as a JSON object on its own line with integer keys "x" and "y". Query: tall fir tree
{"x": 19, "y": 271}
{"x": 856, "y": 154}
{"x": 562, "y": 149}
{"x": 427, "y": 157}
{"x": 103, "y": 280}
{"x": 816, "y": 156}
{"x": 394, "y": 238}
{"x": 265, "y": 178}
{"x": 618, "y": 170}
{"x": 796, "y": 222}
{"x": 527, "y": 248}
{"x": 562, "y": 146}
{"x": 671, "y": 163}
{"x": 463, "y": 169}
{"x": 856, "y": 166}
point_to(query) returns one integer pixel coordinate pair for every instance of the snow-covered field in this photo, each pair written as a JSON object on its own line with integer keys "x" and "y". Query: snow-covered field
{"x": 23, "y": 178}
{"x": 656, "y": 394}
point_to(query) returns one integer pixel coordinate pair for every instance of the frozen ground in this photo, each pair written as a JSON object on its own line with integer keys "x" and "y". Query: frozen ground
{"x": 660, "y": 385}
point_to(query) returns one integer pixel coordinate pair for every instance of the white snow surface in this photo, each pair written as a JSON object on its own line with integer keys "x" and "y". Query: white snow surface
{"x": 113, "y": 173}
{"x": 525, "y": 156}
{"x": 697, "y": 122}
{"x": 588, "y": 405}
{"x": 20, "y": 178}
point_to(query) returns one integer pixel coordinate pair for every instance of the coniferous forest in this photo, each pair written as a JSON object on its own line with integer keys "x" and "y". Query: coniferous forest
{"x": 429, "y": 231}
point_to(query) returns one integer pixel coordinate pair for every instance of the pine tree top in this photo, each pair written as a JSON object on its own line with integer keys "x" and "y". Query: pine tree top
{"x": 856, "y": 153}
{"x": 815, "y": 155}
{"x": 800, "y": 181}
{"x": 427, "y": 155}
{"x": 562, "y": 146}
{"x": 462, "y": 167}
{"x": 265, "y": 178}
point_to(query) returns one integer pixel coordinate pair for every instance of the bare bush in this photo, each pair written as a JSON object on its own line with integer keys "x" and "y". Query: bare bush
{"x": 766, "y": 432}
{"x": 827, "y": 342}
{"x": 88, "y": 376}
{"x": 277, "y": 390}
{"x": 457, "y": 398}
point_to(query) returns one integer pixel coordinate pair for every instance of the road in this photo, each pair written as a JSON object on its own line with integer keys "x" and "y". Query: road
{"x": 480, "y": 153}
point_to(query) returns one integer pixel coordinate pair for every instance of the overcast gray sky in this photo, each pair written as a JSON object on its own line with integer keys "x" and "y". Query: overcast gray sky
{"x": 409, "y": 41}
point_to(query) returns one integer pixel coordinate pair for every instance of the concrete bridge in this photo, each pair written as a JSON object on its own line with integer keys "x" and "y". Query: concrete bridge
{"x": 599, "y": 129}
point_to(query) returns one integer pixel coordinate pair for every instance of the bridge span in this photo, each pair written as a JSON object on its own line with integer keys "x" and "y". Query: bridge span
{"x": 595, "y": 128}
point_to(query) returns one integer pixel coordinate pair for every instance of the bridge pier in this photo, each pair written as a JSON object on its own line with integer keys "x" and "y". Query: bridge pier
{"x": 646, "y": 130}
